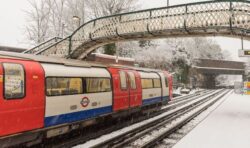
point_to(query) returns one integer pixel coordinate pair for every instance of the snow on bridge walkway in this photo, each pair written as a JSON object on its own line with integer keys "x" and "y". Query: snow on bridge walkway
{"x": 228, "y": 126}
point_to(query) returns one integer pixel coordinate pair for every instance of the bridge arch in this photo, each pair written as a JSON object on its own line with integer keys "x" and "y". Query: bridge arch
{"x": 222, "y": 18}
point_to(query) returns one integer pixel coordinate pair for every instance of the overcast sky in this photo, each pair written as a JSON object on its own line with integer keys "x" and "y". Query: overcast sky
{"x": 12, "y": 22}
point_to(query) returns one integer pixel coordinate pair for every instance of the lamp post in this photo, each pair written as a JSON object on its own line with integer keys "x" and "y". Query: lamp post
{"x": 77, "y": 19}
{"x": 63, "y": 27}
{"x": 167, "y": 3}
{"x": 117, "y": 53}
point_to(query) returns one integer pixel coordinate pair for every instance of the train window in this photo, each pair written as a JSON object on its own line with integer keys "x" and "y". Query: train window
{"x": 132, "y": 80}
{"x": 14, "y": 81}
{"x": 157, "y": 83}
{"x": 123, "y": 80}
{"x": 166, "y": 82}
{"x": 75, "y": 86}
{"x": 94, "y": 85}
{"x": 63, "y": 86}
{"x": 147, "y": 83}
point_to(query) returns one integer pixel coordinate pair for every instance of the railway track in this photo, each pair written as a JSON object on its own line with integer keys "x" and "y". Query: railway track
{"x": 181, "y": 98}
{"x": 173, "y": 138}
{"x": 157, "y": 133}
{"x": 144, "y": 135}
{"x": 116, "y": 140}
{"x": 173, "y": 104}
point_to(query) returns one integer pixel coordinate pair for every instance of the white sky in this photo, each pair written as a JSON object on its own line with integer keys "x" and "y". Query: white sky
{"x": 13, "y": 20}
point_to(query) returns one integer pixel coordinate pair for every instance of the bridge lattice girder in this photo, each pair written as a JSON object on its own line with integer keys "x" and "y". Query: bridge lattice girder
{"x": 208, "y": 66}
{"x": 43, "y": 45}
{"x": 224, "y": 18}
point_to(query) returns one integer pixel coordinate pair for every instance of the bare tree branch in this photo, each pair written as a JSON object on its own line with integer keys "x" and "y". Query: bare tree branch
{"x": 50, "y": 18}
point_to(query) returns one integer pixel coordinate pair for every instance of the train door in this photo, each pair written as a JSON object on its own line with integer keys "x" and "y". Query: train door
{"x": 164, "y": 88}
{"x": 22, "y": 96}
{"x": 169, "y": 84}
{"x": 170, "y": 81}
{"x": 135, "y": 91}
{"x": 127, "y": 90}
{"x": 120, "y": 89}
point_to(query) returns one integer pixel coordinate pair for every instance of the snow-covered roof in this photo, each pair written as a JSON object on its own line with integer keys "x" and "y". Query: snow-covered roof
{"x": 113, "y": 57}
{"x": 216, "y": 68}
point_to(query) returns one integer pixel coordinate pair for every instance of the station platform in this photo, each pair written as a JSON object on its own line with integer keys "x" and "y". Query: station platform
{"x": 228, "y": 126}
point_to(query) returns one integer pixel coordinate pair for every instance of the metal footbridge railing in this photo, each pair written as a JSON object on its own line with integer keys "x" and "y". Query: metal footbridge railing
{"x": 43, "y": 45}
{"x": 223, "y": 18}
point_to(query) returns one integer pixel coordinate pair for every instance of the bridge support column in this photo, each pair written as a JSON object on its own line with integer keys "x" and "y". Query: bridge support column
{"x": 209, "y": 81}
{"x": 244, "y": 78}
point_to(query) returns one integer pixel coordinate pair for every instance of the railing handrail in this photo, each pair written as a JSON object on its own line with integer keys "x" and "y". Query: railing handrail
{"x": 52, "y": 45}
{"x": 93, "y": 22}
{"x": 41, "y": 44}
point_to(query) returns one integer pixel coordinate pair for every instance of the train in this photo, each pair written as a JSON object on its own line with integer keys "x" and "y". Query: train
{"x": 44, "y": 97}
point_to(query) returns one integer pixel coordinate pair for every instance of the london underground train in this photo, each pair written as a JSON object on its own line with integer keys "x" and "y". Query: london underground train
{"x": 44, "y": 97}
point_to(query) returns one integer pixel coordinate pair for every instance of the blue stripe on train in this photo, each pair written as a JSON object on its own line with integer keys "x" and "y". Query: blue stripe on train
{"x": 151, "y": 101}
{"x": 82, "y": 115}
{"x": 76, "y": 116}
{"x": 154, "y": 100}
{"x": 165, "y": 98}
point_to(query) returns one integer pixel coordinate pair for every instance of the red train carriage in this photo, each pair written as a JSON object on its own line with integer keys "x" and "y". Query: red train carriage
{"x": 22, "y": 101}
{"x": 32, "y": 107}
{"x": 169, "y": 79}
{"x": 127, "y": 91}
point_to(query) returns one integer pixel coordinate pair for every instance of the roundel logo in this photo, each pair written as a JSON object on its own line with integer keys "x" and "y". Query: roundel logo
{"x": 85, "y": 102}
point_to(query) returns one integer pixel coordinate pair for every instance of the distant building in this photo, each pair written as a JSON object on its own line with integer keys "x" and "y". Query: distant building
{"x": 11, "y": 49}
{"x": 108, "y": 59}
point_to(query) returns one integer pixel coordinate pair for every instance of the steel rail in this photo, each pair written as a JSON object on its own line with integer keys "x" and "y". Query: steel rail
{"x": 173, "y": 138}
{"x": 183, "y": 101}
{"x": 128, "y": 139}
{"x": 180, "y": 98}
{"x": 195, "y": 111}
{"x": 121, "y": 137}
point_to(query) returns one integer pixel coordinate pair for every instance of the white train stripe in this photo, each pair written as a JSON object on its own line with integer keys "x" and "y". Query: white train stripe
{"x": 57, "y": 105}
{"x": 68, "y": 71}
{"x": 150, "y": 75}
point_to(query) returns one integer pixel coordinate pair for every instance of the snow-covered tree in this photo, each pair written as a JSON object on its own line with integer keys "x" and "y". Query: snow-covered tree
{"x": 51, "y": 18}
{"x": 157, "y": 55}
{"x": 100, "y": 8}
{"x": 38, "y": 22}
{"x": 181, "y": 49}
{"x": 178, "y": 54}
{"x": 128, "y": 49}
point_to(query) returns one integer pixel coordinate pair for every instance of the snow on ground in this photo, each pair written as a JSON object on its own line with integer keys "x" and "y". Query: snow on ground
{"x": 227, "y": 127}
{"x": 170, "y": 142}
{"x": 93, "y": 142}
{"x": 193, "y": 91}
{"x": 177, "y": 91}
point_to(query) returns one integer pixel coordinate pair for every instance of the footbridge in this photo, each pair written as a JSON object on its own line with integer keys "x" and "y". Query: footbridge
{"x": 206, "y": 70}
{"x": 223, "y": 18}
{"x": 208, "y": 66}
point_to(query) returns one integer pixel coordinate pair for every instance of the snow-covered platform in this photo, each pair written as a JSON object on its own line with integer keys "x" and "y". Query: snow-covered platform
{"x": 228, "y": 126}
